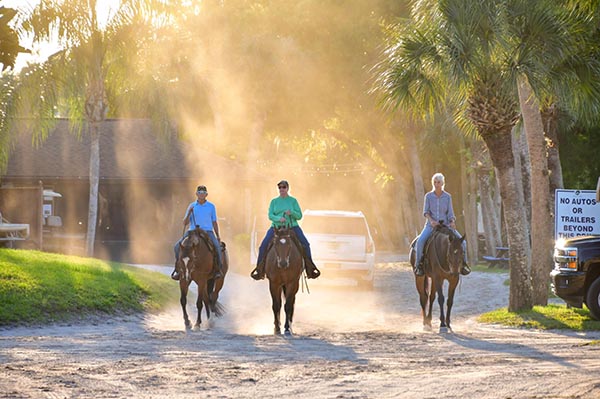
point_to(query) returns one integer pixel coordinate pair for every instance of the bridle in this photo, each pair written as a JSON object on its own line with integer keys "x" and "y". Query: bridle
{"x": 283, "y": 247}
{"x": 453, "y": 258}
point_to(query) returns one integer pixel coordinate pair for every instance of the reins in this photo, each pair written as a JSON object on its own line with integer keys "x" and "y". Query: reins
{"x": 447, "y": 271}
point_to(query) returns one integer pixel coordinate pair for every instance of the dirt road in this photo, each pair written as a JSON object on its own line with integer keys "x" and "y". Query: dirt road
{"x": 347, "y": 344}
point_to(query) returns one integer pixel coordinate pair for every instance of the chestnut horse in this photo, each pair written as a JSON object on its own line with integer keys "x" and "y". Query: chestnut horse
{"x": 442, "y": 260}
{"x": 197, "y": 262}
{"x": 283, "y": 269}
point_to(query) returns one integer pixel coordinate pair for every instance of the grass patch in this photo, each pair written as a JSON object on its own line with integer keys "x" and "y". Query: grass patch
{"x": 549, "y": 317}
{"x": 484, "y": 267}
{"x": 38, "y": 287}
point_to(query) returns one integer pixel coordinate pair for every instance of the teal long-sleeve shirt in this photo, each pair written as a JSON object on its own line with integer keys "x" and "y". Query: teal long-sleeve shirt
{"x": 281, "y": 204}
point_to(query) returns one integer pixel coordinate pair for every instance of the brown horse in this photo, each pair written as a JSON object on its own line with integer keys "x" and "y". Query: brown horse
{"x": 443, "y": 259}
{"x": 283, "y": 269}
{"x": 197, "y": 262}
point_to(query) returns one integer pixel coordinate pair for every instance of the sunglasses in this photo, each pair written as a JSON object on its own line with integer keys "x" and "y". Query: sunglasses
{"x": 280, "y": 187}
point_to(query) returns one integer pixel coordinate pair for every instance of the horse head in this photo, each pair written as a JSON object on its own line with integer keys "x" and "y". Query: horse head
{"x": 455, "y": 253}
{"x": 283, "y": 246}
{"x": 188, "y": 254}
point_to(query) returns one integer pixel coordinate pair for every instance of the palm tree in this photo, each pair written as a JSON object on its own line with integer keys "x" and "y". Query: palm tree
{"x": 84, "y": 78}
{"x": 9, "y": 39}
{"x": 442, "y": 58}
{"x": 546, "y": 45}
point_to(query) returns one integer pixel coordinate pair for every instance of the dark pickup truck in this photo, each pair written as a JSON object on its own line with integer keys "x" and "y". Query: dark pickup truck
{"x": 576, "y": 274}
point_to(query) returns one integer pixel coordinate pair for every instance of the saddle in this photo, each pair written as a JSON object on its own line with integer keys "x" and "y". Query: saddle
{"x": 440, "y": 229}
{"x": 190, "y": 241}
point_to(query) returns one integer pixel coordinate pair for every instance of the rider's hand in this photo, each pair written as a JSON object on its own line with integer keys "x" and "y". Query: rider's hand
{"x": 288, "y": 212}
{"x": 453, "y": 225}
{"x": 282, "y": 219}
{"x": 434, "y": 223}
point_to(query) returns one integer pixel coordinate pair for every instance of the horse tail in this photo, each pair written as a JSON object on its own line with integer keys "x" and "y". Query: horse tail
{"x": 218, "y": 308}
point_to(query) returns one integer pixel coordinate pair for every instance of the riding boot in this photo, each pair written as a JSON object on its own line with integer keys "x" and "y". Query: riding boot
{"x": 418, "y": 269}
{"x": 465, "y": 269}
{"x": 311, "y": 268}
{"x": 175, "y": 274}
{"x": 259, "y": 271}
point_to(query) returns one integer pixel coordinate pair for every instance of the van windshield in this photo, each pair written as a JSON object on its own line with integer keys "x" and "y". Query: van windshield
{"x": 333, "y": 225}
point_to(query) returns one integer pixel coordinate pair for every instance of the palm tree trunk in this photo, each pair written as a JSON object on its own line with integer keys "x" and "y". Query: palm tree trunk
{"x": 95, "y": 109}
{"x": 469, "y": 194}
{"x": 550, "y": 120}
{"x": 500, "y": 149}
{"x": 490, "y": 211}
{"x": 94, "y": 183}
{"x": 541, "y": 226}
{"x": 415, "y": 163}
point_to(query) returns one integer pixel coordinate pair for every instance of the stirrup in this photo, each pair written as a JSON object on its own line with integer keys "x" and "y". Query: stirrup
{"x": 175, "y": 275}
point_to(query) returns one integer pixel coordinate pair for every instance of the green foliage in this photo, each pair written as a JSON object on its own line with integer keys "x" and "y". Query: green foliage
{"x": 578, "y": 152}
{"x": 549, "y": 317}
{"x": 9, "y": 39}
{"x": 40, "y": 287}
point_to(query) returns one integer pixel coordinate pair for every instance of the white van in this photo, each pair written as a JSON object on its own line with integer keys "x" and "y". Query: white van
{"x": 341, "y": 244}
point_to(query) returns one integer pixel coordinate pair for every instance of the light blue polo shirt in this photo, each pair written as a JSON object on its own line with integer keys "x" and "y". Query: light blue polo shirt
{"x": 203, "y": 215}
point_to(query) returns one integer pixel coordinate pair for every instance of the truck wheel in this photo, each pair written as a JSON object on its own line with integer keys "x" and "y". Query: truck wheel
{"x": 593, "y": 299}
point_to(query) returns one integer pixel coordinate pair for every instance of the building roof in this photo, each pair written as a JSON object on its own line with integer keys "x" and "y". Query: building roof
{"x": 129, "y": 149}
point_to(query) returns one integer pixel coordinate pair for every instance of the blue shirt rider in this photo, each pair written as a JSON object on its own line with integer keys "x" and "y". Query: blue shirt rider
{"x": 202, "y": 214}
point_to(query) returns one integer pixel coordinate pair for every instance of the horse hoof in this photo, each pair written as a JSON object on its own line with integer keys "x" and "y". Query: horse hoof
{"x": 277, "y": 332}
{"x": 427, "y": 328}
{"x": 444, "y": 330}
{"x": 288, "y": 333}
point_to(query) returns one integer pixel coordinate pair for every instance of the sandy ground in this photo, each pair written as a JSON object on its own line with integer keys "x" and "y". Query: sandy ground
{"x": 347, "y": 344}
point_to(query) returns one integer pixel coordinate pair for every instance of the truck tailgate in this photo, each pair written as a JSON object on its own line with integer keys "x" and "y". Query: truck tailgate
{"x": 327, "y": 247}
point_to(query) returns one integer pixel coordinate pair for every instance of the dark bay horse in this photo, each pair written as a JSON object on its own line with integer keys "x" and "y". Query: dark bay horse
{"x": 197, "y": 262}
{"x": 442, "y": 261}
{"x": 283, "y": 269}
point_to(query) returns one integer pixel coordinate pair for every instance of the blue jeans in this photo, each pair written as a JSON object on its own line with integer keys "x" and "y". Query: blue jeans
{"x": 213, "y": 238}
{"x": 269, "y": 236}
{"x": 426, "y": 233}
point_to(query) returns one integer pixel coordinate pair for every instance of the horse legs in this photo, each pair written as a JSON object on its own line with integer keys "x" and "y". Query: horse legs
{"x": 213, "y": 296}
{"x": 183, "y": 288}
{"x": 421, "y": 282}
{"x": 439, "y": 287}
{"x": 202, "y": 297}
{"x": 451, "y": 289}
{"x": 427, "y": 320}
{"x": 290, "y": 301}
{"x": 276, "y": 298}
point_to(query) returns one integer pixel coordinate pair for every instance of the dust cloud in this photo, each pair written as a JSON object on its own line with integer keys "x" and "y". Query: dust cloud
{"x": 264, "y": 93}
{"x": 328, "y": 305}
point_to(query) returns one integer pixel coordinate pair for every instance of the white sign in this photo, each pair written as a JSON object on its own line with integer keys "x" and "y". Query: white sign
{"x": 577, "y": 213}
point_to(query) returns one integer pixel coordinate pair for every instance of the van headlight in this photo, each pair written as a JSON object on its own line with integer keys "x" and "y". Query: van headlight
{"x": 565, "y": 258}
